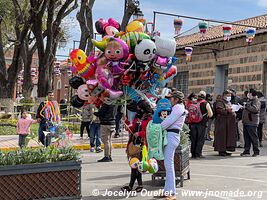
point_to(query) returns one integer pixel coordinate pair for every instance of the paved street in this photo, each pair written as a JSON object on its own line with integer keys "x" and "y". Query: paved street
{"x": 210, "y": 175}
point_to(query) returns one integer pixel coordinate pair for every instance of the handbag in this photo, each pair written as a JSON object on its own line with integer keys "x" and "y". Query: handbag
{"x": 134, "y": 149}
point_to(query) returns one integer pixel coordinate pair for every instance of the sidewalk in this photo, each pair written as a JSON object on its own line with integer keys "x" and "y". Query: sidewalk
{"x": 10, "y": 142}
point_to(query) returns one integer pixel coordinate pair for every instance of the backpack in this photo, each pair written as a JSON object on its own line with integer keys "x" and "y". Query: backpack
{"x": 194, "y": 113}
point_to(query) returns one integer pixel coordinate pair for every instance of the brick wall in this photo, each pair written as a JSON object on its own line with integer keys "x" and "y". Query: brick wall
{"x": 245, "y": 64}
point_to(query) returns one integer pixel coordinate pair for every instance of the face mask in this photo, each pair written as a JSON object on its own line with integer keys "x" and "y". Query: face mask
{"x": 228, "y": 99}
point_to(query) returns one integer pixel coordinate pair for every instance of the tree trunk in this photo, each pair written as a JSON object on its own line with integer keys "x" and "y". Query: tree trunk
{"x": 85, "y": 19}
{"x": 128, "y": 12}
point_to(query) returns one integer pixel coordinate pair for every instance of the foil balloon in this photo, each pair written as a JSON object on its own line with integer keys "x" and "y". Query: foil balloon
{"x": 116, "y": 52}
{"x": 145, "y": 50}
{"x": 227, "y": 31}
{"x": 83, "y": 65}
{"x": 76, "y": 102}
{"x": 75, "y": 82}
{"x": 83, "y": 92}
{"x": 105, "y": 77}
{"x": 132, "y": 39}
{"x": 133, "y": 162}
{"x": 153, "y": 166}
{"x": 110, "y": 27}
{"x": 135, "y": 26}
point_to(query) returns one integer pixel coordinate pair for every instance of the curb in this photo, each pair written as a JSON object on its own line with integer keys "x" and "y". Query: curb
{"x": 76, "y": 147}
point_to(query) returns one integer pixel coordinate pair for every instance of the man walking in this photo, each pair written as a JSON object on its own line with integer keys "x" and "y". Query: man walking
{"x": 251, "y": 119}
{"x": 106, "y": 115}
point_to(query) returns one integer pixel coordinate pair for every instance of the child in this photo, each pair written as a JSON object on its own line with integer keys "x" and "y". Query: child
{"x": 138, "y": 136}
{"x": 95, "y": 141}
{"x": 23, "y": 128}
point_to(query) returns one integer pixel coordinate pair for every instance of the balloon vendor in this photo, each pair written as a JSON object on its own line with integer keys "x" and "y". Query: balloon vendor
{"x": 137, "y": 142}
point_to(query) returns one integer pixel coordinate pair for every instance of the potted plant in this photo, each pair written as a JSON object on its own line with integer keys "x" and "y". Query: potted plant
{"x": 181, "y": 160}
{"x": 42, "y": 173}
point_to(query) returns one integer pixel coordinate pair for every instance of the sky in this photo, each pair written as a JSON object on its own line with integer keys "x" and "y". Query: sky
{"x": 225, "y": 10}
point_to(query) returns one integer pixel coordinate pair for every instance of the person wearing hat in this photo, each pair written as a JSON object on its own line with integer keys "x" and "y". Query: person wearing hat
{"x": 173, "y": 125}
{"x": 251, "y": 119}
{"x": 199, "y": 125}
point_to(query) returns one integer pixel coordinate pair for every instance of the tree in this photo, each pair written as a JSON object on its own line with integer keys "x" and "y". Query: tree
{"x": 85, "y": 19}
{"x": 22, "y": 25}
{"x": 56, "y": 11}
{"x": 129, "y": 9}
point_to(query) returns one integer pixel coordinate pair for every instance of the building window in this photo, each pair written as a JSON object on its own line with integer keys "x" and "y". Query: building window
{"x": 58, "y": 84}
{"x": 181, "y": 82}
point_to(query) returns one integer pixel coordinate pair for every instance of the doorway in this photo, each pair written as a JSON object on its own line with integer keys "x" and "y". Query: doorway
{"x": 221, "y": 78}
{"x": 264, "y": 78}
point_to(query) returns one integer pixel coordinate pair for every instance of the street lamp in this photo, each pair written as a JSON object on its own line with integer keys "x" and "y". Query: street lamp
{"x": 62, "y": 42}
{"x": 138, "y": 14}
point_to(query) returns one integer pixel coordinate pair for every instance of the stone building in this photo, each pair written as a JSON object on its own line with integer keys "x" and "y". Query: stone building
{"x": 217, "y": 64}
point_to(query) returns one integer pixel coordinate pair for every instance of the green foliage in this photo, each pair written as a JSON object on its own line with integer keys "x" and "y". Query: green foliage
{"x": 40, "y": 155}
{"x": 184, "y": 135}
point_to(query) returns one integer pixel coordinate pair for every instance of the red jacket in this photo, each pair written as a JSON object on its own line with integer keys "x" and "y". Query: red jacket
{"x": 142, "y": 132}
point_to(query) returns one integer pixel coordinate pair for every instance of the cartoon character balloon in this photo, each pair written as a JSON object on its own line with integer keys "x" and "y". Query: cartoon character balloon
{"x": 83, "y": 65}
{"x": 116, "y": 52}
{"x": 107, "y": 28}
{"x": 145, "y": 50}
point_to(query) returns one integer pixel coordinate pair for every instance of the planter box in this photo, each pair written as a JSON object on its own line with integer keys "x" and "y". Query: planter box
{"x": 181, "y": 165}
{"x": 59, "y": 180}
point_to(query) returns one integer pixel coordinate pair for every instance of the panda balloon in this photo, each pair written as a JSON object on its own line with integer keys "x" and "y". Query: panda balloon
{"x": 145, "y": 50}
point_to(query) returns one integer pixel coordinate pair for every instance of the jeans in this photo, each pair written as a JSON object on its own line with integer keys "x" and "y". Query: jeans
{"x": 22, "y": 139}
{"x": 95, "y": 135}
{"x": 135, "y": 174}
{"x": 169, "y": 152}
{"x": 45, "y": 140}
{"x": 251, "y": 137}
{"x": 259, "y": 131}
{"x": 197, "y": 137}
{"x": 85, "y": 125}
{"x": 118, "y": 123}
{"x": 106, "y": 132}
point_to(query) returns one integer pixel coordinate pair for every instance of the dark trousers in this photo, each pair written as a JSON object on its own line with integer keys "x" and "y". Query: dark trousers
{"x": 197, "y": 137}
{"x": 22, "y": 139}
{"x": 45, "y": 140}
{"x": 118, "y": 123}
{"x": 251, "y": 137}
{"x": 85, "y": 125}
{"x": 135, "y": 174}
{"x": 259, "y": 131}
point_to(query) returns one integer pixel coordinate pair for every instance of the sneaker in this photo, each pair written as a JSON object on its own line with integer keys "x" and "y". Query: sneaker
{"x": 116, "y": 136}
{"x": 244, "y": 154}
{"x": 92, "y": 149}
{"x": 105, "y": 159}
{"x": 98, "y": 150}
{"x": 110, "y": 158}
{"x": 127, "y": 188}
{"x": 260, "y": 144}
{"x": 255, "y": 155}
{"x": 228, "y": 154}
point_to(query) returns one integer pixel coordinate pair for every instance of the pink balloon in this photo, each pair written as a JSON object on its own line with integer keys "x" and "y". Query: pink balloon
{"x": 83, "y": 92}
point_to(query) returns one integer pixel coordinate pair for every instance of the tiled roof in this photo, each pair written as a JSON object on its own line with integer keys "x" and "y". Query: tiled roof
{"x": 216, "y": 32}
